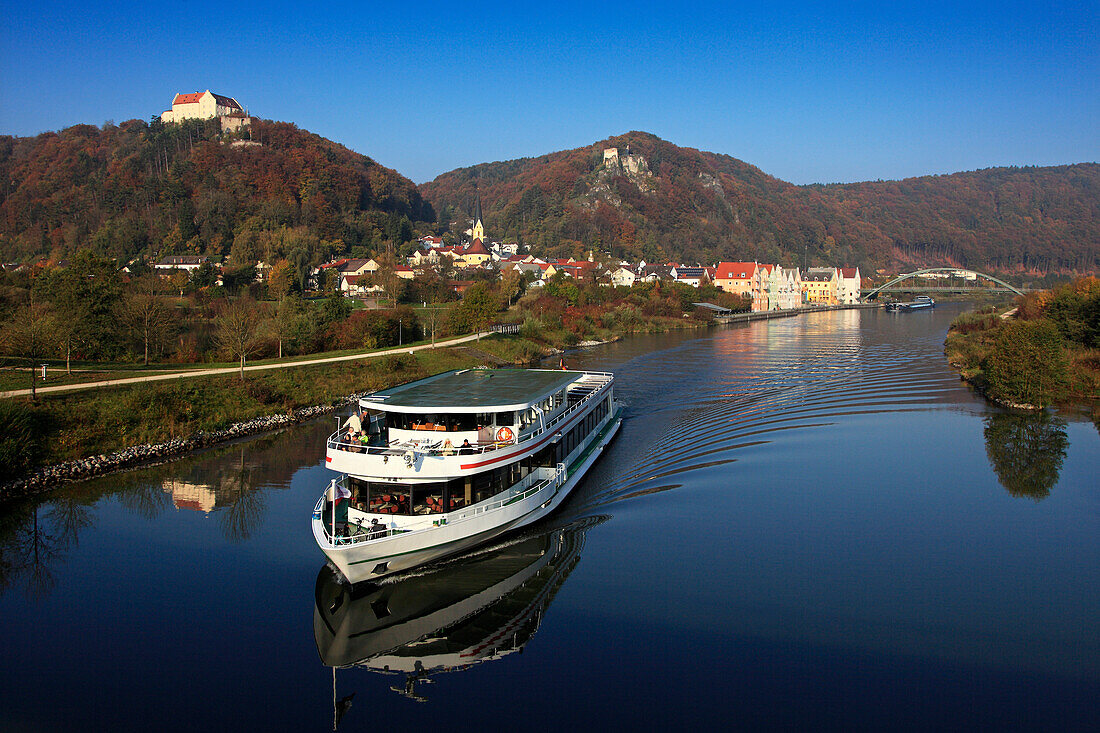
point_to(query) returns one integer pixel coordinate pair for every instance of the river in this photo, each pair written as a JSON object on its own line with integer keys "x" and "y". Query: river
{"x": 803, "y": 522}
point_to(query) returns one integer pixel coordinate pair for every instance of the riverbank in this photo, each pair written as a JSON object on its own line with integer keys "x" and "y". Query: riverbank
{"x": 77, "y": 435}
{"x": 68, "y": 436}
{"x": 1041, "y": 353}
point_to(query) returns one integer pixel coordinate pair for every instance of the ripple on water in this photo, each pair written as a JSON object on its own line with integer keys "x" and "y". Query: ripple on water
{"x": 708, "y": 400}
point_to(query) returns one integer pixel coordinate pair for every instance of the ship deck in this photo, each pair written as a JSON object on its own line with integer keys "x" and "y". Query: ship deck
{"x": 474, "y": 390}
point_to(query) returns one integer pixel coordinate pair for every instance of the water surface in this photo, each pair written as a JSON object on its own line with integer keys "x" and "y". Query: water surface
{"x": 807, "y": 521}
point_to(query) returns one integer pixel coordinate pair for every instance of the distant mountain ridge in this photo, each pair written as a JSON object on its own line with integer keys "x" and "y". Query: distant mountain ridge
{"x": 698, "y": 206}
{"x": 149, "y": 188}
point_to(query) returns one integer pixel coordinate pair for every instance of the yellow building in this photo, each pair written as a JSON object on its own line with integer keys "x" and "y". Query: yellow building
{"x": 820, "y": 285}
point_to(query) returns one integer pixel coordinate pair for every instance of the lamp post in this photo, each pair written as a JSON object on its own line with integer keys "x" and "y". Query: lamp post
{"x": 400, "y": 333}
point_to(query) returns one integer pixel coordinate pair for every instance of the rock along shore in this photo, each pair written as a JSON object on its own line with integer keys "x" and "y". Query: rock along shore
{"x": 48, "y": 478}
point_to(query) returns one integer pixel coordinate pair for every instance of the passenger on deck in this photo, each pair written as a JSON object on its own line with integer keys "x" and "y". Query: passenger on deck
{"x": 351, "y": 439}
{"x": 355, "y": 422}
{"x": 465, "y": 448}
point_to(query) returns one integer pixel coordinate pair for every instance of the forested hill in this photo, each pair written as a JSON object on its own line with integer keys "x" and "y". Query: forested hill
{"x": 684, "y": 204}
{"x": 178, "y": 189}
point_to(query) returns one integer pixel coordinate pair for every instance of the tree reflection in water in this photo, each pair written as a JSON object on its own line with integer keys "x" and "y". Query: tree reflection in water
{"x": 147, "y": 500}
{"x": 34, "y": 535}
{"x": 243, "y": 512}
{"x": 1026, "y": 451}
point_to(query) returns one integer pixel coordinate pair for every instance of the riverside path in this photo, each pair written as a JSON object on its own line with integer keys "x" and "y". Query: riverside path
{"x": 235, "y": 369}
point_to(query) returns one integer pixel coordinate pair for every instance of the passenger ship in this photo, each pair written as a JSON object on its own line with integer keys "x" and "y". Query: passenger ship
{"x": 449, "y": 462}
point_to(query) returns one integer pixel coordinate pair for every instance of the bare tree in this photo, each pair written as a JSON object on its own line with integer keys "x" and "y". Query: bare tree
{"x": 147, "y": 317}
{"x": 31, "y": 334}
{"x": 239, "y": 330}
{"x": 393, "y": 285}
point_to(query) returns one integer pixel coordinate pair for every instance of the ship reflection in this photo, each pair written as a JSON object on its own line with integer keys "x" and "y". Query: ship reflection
{"x": 476, "y": 608}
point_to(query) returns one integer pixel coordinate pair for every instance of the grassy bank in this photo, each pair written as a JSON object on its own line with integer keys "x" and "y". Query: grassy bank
{"x": 68, "y": 426}
{"x": 1046, "y": 353}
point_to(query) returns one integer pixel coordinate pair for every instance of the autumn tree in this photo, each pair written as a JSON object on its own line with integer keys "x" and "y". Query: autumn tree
{"x": 238, "y": 330}
{"x": 478, "y": 306}
{"x": 393, "y": 285}
{"x": 281, "y": 279}
{"x": 84, "y": 296}
{"x": 512, "y": 285}
{"x": 286, "y": 321}
{"x": 178, "y": 279}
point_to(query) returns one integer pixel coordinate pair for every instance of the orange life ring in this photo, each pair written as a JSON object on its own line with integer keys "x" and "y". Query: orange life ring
{"x": 505, "y": 435}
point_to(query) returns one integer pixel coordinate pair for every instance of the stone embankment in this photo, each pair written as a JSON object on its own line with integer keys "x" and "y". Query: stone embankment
{"x": 49, "y": 477}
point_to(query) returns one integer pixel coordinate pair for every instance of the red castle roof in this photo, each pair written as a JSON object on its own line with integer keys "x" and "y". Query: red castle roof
{"x": 194, "y": 97}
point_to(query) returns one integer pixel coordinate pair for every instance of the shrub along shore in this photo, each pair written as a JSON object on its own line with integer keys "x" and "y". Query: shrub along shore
{"x": 1044, "y": 352}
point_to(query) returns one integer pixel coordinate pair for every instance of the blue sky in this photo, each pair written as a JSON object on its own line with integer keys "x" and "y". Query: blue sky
{"x": 809, "y": 92}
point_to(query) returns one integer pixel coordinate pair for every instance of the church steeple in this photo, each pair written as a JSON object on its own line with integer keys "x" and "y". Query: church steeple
{"x": 478, "y": 232}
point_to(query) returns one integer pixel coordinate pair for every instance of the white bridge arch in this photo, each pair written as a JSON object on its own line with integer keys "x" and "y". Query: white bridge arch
{"x": 948, "y": 270}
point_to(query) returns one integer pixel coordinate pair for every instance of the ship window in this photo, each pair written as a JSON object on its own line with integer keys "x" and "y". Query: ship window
{"x": 427, "y": 498}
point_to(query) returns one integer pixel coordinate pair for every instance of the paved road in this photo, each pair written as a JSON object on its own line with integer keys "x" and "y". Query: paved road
{"x": 236, "y": 369}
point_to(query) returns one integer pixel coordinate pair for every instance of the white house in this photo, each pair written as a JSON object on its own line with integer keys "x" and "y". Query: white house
{"x": 623, "y": 278}
{"x": 190, "y": 263}
{"x": 848, "y": 284}
{"x": 790, "y": 289}
{"x": 693, "y": 276}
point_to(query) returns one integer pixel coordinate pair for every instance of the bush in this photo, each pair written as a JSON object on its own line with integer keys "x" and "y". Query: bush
{"x": 982, "y": 320}
{"x": 1027, "y": 364}
{"x": 373, "y": 329}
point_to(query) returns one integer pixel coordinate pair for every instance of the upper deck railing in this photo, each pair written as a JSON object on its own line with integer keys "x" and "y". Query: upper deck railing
{"x": 436, "y": 446}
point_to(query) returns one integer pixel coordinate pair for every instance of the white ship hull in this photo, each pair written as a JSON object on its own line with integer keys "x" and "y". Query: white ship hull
{"x": 445, "y": 534}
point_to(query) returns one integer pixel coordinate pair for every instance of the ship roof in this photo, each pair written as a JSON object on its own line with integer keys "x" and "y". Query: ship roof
{"x": 473, "y": 390}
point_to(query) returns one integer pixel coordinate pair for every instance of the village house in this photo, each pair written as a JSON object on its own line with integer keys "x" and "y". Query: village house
{"x": 190, "y": 263}
{"x": 653, "y": 273}
{"x": 820, "y": 285}
{"x": 744, "y": 279}
{"x": 353, "y": 273}
{"x": 790, "y": 289}
{"x": 693, "y": 276}
{"x": 524, "y": 268}
{"x": 623, "y": 278}
{"x": 848, "y": 285}
{"x": 422, "y": 257}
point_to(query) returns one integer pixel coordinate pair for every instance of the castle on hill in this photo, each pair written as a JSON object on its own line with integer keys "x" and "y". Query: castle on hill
{"x": 205, "y": 105}
{"x": 616, "y": 160}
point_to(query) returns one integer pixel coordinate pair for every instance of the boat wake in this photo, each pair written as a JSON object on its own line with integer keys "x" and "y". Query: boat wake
{"x": 710, "y": 402}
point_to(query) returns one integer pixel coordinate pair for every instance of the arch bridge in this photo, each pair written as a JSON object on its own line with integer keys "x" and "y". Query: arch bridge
{"x": 1002, "y": 286}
